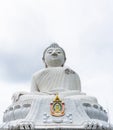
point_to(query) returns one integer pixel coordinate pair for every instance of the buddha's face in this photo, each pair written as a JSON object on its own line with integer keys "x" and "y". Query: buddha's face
{"x": 54, "y": 57}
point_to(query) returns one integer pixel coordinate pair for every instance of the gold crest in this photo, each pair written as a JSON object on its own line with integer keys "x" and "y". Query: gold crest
{"x": 57, "y": 107}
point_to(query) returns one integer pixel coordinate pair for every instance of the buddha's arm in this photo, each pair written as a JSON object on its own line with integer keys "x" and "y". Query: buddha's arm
{"x": 34, "y": 86}
{"x": 74, "y": 80}
{"x": 17, "y": 95}
{"x": 78, "y": 82}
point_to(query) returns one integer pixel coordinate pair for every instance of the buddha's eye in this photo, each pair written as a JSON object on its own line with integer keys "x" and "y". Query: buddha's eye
{"x": 58, "y": 52}
{"x": 49, "y": 51}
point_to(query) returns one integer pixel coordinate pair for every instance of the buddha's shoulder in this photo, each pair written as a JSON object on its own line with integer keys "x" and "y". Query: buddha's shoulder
{"x": 68, "y": 71}
{"x": 39, "y": 72}
{"x": 45, "y": 71}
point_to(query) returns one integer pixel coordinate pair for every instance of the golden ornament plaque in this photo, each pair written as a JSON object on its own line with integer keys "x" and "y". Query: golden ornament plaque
{"x": 57, "y": 107}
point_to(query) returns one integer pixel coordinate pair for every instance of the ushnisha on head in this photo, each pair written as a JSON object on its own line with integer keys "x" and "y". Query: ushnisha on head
{"x": 54, "y": 56}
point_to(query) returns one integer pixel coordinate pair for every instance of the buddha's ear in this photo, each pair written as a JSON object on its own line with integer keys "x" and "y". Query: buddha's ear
{"x": 43, "y": 59}
{"x": 44, "y": 62}
{"x": 64, "y": 62}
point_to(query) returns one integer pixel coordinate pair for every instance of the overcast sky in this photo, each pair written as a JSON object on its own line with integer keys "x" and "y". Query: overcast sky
{"x": 84, "y": 28}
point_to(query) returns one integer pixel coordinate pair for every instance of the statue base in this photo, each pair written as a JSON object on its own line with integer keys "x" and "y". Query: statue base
{"x": 56, "y": 112}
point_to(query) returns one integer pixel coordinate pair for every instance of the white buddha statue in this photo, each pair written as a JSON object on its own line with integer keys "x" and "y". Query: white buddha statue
{"x": 55, "y": 77}
{"x": 43, "y": 108}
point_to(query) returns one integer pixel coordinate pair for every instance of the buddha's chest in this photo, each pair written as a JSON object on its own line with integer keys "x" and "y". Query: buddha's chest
{"x": 56, "y": 79}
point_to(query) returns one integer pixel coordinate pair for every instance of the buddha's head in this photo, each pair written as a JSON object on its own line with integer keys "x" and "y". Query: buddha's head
{"x": 54, "y": 56}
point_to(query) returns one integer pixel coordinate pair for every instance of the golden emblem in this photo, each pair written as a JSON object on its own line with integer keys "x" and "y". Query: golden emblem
{"x": 57, "y": 107}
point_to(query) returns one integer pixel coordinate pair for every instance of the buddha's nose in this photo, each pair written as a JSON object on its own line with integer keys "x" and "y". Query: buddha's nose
{"x": 54, "y": 53}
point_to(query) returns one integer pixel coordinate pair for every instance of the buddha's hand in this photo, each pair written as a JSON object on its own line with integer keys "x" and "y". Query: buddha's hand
{"x": 17, "y": 95}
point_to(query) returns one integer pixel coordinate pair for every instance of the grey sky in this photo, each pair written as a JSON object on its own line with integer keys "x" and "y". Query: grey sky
{"x": 84, "y": 28}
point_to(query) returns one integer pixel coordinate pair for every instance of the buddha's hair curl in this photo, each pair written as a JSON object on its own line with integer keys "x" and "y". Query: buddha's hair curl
{"x": 53, "y": 45}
